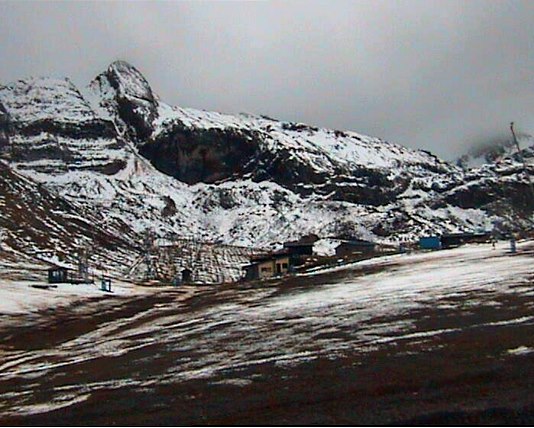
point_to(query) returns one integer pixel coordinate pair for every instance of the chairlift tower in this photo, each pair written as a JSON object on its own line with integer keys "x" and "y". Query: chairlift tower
{"x": 83, "y": 264}
{"x": 529, "y": 182}
{"x": 149, "y": 255}
{"x": 525, "y": 167}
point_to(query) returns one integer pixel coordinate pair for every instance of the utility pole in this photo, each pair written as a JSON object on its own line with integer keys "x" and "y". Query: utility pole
{"x": 525, "y": 168}
{"x": 83, "y": 263}
{"x": 529, "y": 181}
{"x": 149, "y": 249}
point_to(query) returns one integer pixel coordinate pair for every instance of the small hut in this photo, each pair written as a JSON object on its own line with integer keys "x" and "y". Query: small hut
{"x": 302, "y": 247}
{"x": 267, "y": 266}
{"x": 451, "y": 240}
{"x": 355, "y": 247}
{"x": 59, "y": 274}
{"x": 430, "y": 243}
{"x": 187, "y": 276}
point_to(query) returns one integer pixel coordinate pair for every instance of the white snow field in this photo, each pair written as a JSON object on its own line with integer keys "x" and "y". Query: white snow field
{"x": 103, "y": 170}
{"x": 240, "y": 327}
{"x": 19, "y": 297}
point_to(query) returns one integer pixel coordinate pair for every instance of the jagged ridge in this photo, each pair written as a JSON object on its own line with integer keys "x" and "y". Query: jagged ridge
{"x": 115, "y": 147}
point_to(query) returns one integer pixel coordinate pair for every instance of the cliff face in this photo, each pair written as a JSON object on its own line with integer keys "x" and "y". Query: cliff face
{"x": 47, "y": 125}
{"x": 196, "y": 146}
{"x": 124, "y": 94}
{"x": 201, "y": 156}
{"x": 41, "y": 224}
{"x": 116, "y": 148}
{"x": 205, "y": 147}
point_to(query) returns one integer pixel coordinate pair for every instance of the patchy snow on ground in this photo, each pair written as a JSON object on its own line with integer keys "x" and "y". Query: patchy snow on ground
{"x": 22, "y": 296}
{"x": 326, "y": 246}
{"x": 521, "y": 350}
{"x": 246, "y": 327}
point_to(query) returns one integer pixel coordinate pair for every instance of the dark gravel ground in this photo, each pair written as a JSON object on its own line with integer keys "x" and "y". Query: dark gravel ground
{"x": 464, "y": 375}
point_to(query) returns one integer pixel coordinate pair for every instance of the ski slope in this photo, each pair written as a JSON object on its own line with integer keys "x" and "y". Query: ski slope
{"x": 231, "y": 332}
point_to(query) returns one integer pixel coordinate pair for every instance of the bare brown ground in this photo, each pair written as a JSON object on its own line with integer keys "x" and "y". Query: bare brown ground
{"x": 464, "y": 375}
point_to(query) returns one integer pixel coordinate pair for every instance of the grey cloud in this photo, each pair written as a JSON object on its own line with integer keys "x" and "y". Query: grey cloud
{"x": 426, "y": 74}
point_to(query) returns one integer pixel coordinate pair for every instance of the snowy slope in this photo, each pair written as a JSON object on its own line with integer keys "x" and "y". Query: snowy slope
{"x": 49, "y": 126}
{"x": 39, "y": 99}
{"x": 368, "y": 306}
{"x": 496, "y": 151}
{"x": 338, "y": 147}
{"x": 38, "y": 226}
{"x": 116, "y": 150}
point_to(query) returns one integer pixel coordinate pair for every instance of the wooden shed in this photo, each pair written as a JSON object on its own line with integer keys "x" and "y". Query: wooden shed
{"x": 302, "y": 247}
{"x": 59, "y": 274}
{"x": 355, "y": 247}
{"x": 267, "y": 266}
{"x": 451, "y": 240}
{"x": 187, "y": 276}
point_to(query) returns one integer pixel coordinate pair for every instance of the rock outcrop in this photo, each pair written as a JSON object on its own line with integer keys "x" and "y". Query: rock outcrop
{"x": 115, "y": 148}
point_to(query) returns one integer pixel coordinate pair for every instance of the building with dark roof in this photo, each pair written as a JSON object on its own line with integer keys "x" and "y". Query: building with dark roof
{"x": 59, "y": 274}
{"x": 302, "y": 247}
{"x": 354, "y": 247}
{"x": 267, "y": 266}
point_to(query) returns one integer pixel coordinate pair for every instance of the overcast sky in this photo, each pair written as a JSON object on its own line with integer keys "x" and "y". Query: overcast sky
{"x": 438, "y": 75}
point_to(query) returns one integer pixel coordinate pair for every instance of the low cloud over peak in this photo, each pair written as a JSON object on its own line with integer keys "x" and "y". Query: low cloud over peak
{"x": 426, "y": 74}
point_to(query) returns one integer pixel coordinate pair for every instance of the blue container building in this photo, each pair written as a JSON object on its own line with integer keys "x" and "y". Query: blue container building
{"x": 430, "y": 243}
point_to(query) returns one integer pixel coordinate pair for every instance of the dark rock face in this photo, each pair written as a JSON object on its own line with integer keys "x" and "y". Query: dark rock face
{"x": 492, "y": 195}
{"x": 108, "y": 168}
{"x": 44, "y": 139}
{"x": 170, "y": 207}
{"x": 5, "y": 130}
{"x": 93, "y": 129}
{"x": 194, "y": 156}
{"x": 133, "y": 100}
{"x": 47, "y": 119}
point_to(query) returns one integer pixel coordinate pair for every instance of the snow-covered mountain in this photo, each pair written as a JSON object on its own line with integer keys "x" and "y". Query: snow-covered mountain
{"x": 495, "y": 150}
{"x": 40, "y": 225}
{"x": 114, "y": 148}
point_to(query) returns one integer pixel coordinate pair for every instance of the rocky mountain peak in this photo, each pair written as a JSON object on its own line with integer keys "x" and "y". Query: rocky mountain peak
{"x": 129, "y": 81}
{"x": 47, "y": 125}
{"x": 44, "y": 98}
{"x": 126, "y": 96}
{"x": 247, "y": 180}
